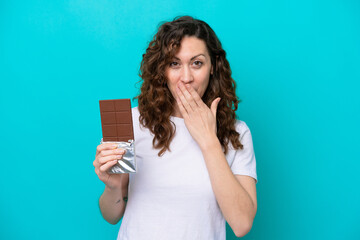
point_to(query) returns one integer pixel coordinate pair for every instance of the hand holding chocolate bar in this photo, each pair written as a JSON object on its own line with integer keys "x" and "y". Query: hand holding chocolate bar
{"x": 107, "y": 155}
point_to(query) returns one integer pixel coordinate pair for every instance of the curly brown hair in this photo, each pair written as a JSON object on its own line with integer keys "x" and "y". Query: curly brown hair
{"x": 155, "y": 99}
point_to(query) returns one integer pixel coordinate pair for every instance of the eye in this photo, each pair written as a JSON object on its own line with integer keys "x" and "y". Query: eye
{"x": 198, "y": 63}
{"x": 174, "y": 64}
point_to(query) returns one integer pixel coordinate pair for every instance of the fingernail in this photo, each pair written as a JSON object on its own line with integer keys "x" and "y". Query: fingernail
{"x": 114, "y": 146}
{"x": 120, "y": 151}
{"x": 119, "y": 156}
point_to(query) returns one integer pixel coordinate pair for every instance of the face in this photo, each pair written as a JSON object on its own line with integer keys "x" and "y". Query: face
{"x": 190, "y": 65}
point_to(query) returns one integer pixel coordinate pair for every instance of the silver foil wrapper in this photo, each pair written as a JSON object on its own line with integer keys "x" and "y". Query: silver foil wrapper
{"x": 128, "y": 162}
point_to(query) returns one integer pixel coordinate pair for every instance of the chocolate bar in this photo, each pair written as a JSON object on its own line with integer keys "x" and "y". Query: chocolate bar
{"x": 117, "y": 127}
{"x": 116, "y": 120}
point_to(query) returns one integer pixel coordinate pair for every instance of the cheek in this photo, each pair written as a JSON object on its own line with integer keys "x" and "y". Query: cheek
{"x": 171, "y": 76}
{"x": 205, "y": 81}
{"x": 171, "y": 84}
{"x": 172, "y": 80}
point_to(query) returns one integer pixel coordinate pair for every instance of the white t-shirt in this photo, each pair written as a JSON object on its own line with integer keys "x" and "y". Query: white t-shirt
{"x": 170, "y": 197}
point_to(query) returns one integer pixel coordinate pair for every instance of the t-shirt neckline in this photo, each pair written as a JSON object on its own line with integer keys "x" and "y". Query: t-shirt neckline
{"x": 177, "y": 120}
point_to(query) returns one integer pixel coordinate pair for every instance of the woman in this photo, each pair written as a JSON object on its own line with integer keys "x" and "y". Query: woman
{"x": 195, "y": 162}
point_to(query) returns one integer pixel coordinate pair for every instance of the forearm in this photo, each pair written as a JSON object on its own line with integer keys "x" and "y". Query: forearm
{"x": 112, "y": 204}
{"x": 235, "y": 203}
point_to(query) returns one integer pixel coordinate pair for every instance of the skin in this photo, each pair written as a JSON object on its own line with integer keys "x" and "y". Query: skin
{"x": 235, "y": 194}
{"x": 188, "y": 77}
{"x": 112, "y": 202}
{"x": 191, "y": 66}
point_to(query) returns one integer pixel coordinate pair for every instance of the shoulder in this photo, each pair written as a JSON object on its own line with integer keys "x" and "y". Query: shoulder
{"x": 135, "y": 113}
{"x": 241, "y": 127}
{"x": 135, "y": 110}
{"x": 244, "y": 134}
{"x": 136, "y": 119}
{"x": 135, "y": 116}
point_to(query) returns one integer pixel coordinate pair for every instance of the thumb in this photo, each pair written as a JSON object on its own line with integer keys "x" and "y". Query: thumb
{"x": 214, "y": 106}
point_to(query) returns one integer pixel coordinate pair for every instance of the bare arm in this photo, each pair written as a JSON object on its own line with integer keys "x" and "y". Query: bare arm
{"x": 112, "y": 202}
{"x": 236, "y": 195}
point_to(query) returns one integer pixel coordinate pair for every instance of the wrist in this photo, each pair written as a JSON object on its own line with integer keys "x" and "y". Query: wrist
{"x": 210, "y": 143}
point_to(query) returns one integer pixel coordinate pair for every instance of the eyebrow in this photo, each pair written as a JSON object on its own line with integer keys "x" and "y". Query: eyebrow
{"x": 192, "y": 57}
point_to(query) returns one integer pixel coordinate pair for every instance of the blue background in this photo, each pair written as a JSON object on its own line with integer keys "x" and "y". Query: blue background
{"x": 296, "y": 64}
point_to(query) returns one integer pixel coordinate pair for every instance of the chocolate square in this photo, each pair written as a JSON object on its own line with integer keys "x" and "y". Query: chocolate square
{"x": 116, "y": 120}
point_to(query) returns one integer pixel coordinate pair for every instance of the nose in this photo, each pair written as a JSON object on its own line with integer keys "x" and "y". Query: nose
{"x": 186, "y": 75}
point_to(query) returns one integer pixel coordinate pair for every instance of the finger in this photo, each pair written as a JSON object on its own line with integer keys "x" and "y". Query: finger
{"x": 199, "y": 102}
{"x": 188, "y": 96}
{"x": 214, "y": 106}
{"x": 181, "y": 108}
{"x": 183, "y": 101}
{"x": 107, "y": 166}
{"x": 105, "y": 146}
{"x": 103, "y": 160}
{"x": 117, "y": 151}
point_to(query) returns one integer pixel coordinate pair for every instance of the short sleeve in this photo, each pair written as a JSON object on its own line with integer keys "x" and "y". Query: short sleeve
{"x": 244, "y": 162}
